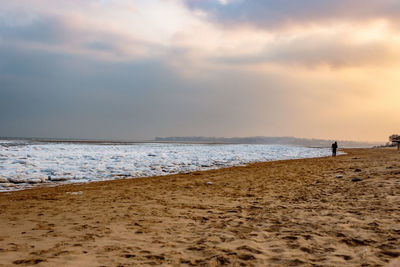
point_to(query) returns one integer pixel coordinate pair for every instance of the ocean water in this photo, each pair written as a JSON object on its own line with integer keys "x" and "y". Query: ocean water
{"x": 25, "y": 164}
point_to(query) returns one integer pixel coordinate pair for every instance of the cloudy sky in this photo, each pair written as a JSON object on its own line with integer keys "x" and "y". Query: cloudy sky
{"x": 138, "y": 69}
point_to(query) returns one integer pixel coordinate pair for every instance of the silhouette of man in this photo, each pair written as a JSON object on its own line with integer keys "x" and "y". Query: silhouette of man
{"x": 334, "y": 148}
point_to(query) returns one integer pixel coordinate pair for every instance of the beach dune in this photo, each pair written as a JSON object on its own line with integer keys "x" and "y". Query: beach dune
{"x": 342, "y": 211}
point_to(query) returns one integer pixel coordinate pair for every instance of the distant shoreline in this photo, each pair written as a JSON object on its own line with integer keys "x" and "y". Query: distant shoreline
{"x": 105, "y": 142}
{"x": 293, "y": 141}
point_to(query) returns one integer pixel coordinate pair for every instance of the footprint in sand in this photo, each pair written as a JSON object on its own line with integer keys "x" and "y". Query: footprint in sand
{"x": 28, "y": 261}
{"x": 249, "y": 249}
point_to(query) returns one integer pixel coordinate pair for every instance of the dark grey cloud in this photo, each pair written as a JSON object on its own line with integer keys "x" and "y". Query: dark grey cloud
{"x": 57, "y": 33}
{"x": 49, "y": 30}
{"x": 59, "y": 95}
{"x": 276, "y": 14}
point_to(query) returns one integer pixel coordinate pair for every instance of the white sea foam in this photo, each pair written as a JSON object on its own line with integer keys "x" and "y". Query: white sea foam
{"x": 25, "y": 165}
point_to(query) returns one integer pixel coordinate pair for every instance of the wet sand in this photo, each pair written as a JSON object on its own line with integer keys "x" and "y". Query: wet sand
{"x": 304, "y": 212}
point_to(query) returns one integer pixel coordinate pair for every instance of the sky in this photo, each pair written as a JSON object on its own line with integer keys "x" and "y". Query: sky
{"x": 134, "y": 70}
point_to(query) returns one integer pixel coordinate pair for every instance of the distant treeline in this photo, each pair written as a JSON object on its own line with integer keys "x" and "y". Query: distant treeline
{"x": 265, "y": 140}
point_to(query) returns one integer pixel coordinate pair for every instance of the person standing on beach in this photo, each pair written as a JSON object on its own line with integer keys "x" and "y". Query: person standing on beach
{"x": 334, "y": 148}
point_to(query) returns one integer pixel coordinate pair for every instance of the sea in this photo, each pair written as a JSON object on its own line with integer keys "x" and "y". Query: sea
{"x": 27, "y": 164}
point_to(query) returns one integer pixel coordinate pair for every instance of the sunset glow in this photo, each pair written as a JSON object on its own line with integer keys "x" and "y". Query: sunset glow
{"x": 314, "y": 69}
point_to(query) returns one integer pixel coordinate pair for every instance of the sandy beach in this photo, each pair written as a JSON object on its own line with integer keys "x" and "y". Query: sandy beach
{"x": 342, "y": 211}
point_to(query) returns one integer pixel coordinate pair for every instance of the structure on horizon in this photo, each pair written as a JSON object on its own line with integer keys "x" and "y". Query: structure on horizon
{"x": 395, "y": 139}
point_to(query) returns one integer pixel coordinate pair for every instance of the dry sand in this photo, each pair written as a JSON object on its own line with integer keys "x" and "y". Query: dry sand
{"x": 285, "y": 213}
